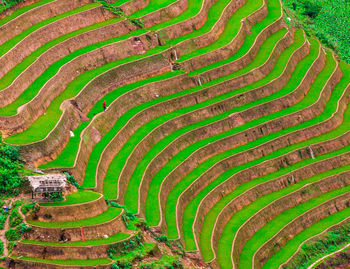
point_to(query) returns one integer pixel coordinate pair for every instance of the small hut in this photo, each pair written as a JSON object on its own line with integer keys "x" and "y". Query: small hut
{"x": 47, "y": 183}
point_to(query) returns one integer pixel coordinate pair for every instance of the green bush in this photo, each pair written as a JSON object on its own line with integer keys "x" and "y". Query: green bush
{"x": 73, "y": 181}
{"x": 329, "y": 20}
{"x": 15, "y": 218}
{"x": 1, "y": 248}
{"x": 10, "y": 167}
{"x": 15, "y": 234}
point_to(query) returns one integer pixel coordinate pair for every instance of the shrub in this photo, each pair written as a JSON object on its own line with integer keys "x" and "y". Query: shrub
{"x": 73, "y": 181}
{"x": 15, "y": 218}
{"x": 10, "y": 166}
{"x": 1, "y": 248}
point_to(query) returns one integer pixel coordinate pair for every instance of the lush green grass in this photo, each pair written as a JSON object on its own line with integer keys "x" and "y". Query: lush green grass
{"x": 22, "y": 10}
{"x": 118, "y": 162}
{"x": 106, "y": 216}
{"x": 75, "y": 198}
{"x": 14, "y": 41}
{"x": 292, "y": 245}
{"x": 67, "y": 262}
{"x": 110, "y": 240}
{"x": 188, "y": 218}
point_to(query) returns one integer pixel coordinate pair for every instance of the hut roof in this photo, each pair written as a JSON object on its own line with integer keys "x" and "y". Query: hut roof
{"x": 48, "y": 183}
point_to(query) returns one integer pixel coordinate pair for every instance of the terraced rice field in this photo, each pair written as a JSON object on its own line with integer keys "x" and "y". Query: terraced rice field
{"x": 224, "y": 128}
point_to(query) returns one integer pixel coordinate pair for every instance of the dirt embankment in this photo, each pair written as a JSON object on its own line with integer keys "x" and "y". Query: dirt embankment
{"x": 70, "y": 212}
{"x": 35, "y": 15}
{"x": 268, "y": 213}
{"x": 66, "y": 252}
{"x": 50, "y": 32}
{"x": 298, "y": 225}
{"x": 274, "y": 125}
{"x": 276, "y": 184}
{"x": 59, "y": 51}
{"x": 202, "y": 132}
{"x": 63, "y": 139}
{"x": 97, "y": 231}
{"x": 184, "y": 101}
{"x": 96, "y": 89}
{"x": 236, "y": 43}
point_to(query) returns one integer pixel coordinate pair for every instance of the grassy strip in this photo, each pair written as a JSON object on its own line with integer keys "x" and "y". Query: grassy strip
{"x": 35, "y": 87}
{"x": 152, "y": 6}
{"x": 274, "y": 225}
{"x": 23, "y": 10}
{"x": 228, "y": 233}
{"x": 106, "y": 216}
{"x": 295, "y": 80}
{"x": 115, "y": 238}
{"x": 91, "y": 262}
{"x": 283, "y": 254}
{"x": 153, "y": 216}
{"x": 213, "y": 16}
{"x": 45, "y": 123}
{"x": 132, "y": 192}
{"x": 310, "y": 98}
{"x": 75, "y": 198}
{"x": 14, "y": 41}
{"x": 118, "y": 162}
{"x": 213, "y": 213}
{"x": 230, "y": 31}
{"x": 67, "y": 156}
{"x": 10, "y": 76}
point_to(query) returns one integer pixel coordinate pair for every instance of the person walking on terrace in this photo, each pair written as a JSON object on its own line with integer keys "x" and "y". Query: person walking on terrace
{"x": 104, "y": 105}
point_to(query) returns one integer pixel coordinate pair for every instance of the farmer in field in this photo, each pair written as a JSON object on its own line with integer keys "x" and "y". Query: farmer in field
{"x": 104, "y": 105}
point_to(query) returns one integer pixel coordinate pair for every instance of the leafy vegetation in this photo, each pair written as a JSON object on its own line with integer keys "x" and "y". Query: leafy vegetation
{"x": 10, "y": 170}
{"x": 329, "y": 20}
{"x": 311, "y": 251}
{"x": 5, "y": 4}
{"x": 14, "y": 234}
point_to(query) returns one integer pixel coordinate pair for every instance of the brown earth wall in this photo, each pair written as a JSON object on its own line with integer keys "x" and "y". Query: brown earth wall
{"x": 34, "y": 16}
{"x": 270, "y": 167}
{"x": 54, "y": 153}
{"x": 198, "y": 21}
{"x": 70, "y": 212}
{"x": 131, "y": 7}
{"x": 236, "y": 43}
{"x": 50, "y": 32}
{"x": 298, "y": 225}
{"x": 268, "y": 213}
{"x": 59, "y": 51}
{"x": 66, "y": 252}
{"x": 234, "y": 140}
{"x": 115, "y": 77}
{"x": 100, "y": 86}
{"x": 23, "y": 264}
{"x": 105, "y": 121}
{"x": 97, "y": 231}
{"x": 207, "y": 130}
{"x": 311, "y": 74}
{"x": 172, "y": 105}
{"x": 159, "y": 16}
{"x": 45, "y": 150}
{"x": 257, "y": 152}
